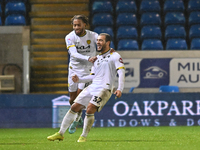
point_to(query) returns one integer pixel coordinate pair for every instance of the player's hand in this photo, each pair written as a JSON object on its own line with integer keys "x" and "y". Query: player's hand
{"x": 92, "y": 59}
{"x": 112, "y": 50}
{"x": 75, "y": 78}
{"x": 118, "y": 93}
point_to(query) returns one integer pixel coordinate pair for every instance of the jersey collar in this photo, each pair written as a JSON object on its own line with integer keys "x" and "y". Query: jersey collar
{"x": 105, "y": 53}
{"x": 83, "y": 34}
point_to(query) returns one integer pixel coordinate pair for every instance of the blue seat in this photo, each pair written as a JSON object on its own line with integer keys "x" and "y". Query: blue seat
{"x": 15, "y": 8}
{"x": 24, "y": 1}
{"x": 195, "y": 44}
{"x": 150, "y": 6}
{"x": 151, "y": 32}
{"x": 15, "y": 20}
{"x": 124, "y": 6}
{"x": 0, "y": 10}
{"x": 174, "y": 18}
{"x": 112, "y": 45}
{"x": 102, "y": 7}
{"x": 152, "y": 44}
{"x": 173, "y": 6}
{"x": 168, "y": 88}
{"x": 193, "y": 5}
{"x": 176, "y": 44}
{"x": 126, "y": 32}
{"x": 175, "y": 31}
{"x": 194, "y": 18}
{"x": 194, "y": 31}
{"x": 104, "y": 29}
{"x": 126, "y": 19}
{"x": 127, "y": 44}
{"x": 102, "y": 19}
{"x": 150, "y": 19}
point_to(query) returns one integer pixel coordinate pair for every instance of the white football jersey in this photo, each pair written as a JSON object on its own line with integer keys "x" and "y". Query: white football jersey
{"x": 105, "y": 70}
{"x": 86, "y": 46}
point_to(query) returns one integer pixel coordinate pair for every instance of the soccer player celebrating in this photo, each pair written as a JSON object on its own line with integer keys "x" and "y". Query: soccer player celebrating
{"x": 81, "y": 45}
{"x": 97, "y": 94}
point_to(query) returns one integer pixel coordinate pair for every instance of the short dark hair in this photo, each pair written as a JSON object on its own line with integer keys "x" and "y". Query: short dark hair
{"x": 108, "y": 38}
{"x": 81, "y": 17}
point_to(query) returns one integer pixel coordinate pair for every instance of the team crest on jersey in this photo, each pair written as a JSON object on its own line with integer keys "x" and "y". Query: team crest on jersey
{"x": 88, "y": 41}
{"x": 121, "y": 60}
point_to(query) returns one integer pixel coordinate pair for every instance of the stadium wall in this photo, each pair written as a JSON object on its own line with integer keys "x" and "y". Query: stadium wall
{"x": 150, "y": 109}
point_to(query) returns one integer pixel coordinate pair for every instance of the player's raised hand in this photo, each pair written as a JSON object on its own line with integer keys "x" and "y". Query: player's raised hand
{"x": 118, "y": 93}
{"x": 75, "y": 78}
{"x": 92, "y": 59}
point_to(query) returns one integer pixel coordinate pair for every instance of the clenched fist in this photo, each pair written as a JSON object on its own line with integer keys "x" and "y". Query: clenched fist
{"x": 75, "y": 78}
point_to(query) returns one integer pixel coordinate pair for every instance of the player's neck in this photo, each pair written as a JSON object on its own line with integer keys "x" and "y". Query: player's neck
{"x": 82, "y": 34}
{"x": 104, "y": 52}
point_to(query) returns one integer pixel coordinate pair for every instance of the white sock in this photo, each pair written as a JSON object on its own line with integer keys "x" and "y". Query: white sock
{"x": 78, "y": 116}
{"x": 88, "y": 122}
{"x": 67, "y": 120}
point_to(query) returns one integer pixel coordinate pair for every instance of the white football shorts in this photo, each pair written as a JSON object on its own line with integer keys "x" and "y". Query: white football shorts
{"x": 73, "y": 87}
{"x": 99, "y": 99}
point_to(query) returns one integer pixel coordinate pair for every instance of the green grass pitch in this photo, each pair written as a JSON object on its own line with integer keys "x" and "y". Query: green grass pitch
{"x": 113, "y": 138}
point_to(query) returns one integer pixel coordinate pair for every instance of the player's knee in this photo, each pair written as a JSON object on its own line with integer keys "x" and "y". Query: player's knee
{"x": 91, "y": 109}
{"x": 77, "y": 107}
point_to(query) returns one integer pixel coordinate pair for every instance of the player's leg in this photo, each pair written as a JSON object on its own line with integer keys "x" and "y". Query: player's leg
{"x": 96, "y": 104}
{"x": 78, "y": 120}
{"x": 88, "y": 121}
{"x": 67, "y": 120}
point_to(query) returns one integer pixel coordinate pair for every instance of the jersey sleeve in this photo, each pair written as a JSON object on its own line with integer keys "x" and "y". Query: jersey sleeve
{"x": 88, "y": 78}
{"x": 121, "y": 72}
{"x": 72, "y": 49}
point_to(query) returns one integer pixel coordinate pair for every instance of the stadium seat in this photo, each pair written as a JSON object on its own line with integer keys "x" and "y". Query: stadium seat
{"x": 194, "y": 31}
{"x": 127, "y": 44}
{"x": 24, "y": 1}
{"x": 102, "y": 7}
{"x": 102, "y": 19}
{"x": 150, "y": 19}
{"x": 173, "y": 6}
{"x": 176, "y": 44}
{"x": 175, "y": 31}
{"x": 112, "y": 45}
{"x": 126, "y": 19}
{"x": 104, "y": 29}
{"x": 0, "y": 10}
{"x": 195, "y": 44}
{"x": 174, "y": 18}
{"x": 124, "y": 6}
{"x": 193, "y": 5}
{"x": 194, "y": 18}
{"x": 168, "y": 88}
{"x": 152, "y": 44}
{"x": 15, "y": 20}
{"x": 126, "y": 32}
{"x": 150, "y": 6}
{"x": 151, "y": 32}
{"x": 15, "y": 8}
